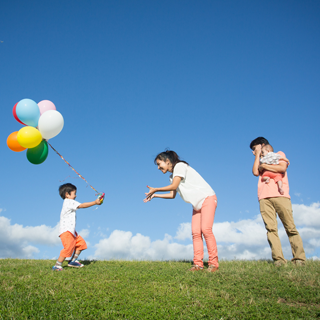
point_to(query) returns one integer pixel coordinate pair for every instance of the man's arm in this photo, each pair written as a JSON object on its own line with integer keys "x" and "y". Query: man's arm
{"x": 276, "y": 168}
{"x": 256, "y": 152}
{"x": 285, "y": 159}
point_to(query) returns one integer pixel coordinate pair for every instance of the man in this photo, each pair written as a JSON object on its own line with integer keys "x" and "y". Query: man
{"x": 273, "y": 203}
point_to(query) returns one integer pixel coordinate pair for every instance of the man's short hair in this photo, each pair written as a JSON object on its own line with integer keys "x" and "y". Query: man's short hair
{"x": 66, "y": 188}
{"x": 259, "y": 140}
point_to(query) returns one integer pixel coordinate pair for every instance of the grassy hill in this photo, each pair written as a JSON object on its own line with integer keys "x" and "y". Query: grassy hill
{"x": 158, "y": 290}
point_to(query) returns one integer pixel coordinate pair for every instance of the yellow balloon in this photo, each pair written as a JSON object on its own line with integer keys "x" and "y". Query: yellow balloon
{"x": 29, "y": 137}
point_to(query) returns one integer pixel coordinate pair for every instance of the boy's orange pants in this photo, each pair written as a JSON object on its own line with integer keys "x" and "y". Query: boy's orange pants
{"x": 71, "y": 243}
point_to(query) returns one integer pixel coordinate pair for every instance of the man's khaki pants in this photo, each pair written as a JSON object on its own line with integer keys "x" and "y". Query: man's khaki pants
{"x": 269, "y": 208}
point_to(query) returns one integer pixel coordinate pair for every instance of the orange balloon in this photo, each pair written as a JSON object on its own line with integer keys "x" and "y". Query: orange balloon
{"x": 13, "y": 143}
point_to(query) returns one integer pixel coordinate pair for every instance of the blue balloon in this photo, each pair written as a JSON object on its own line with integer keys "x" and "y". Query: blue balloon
{"x": 28, "y": 112}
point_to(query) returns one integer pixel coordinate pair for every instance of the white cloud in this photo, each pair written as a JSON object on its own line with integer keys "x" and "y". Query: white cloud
{"x": 16, "y": 240}
{"x": 29, "y": 251}
{"x": 184, "y": 232}
{"x": 123, "y": 245}
{"x": 247, "y": 232}
{"x": 307, "y": 215}
{"x": 244, "y": 239}
{"x": 84, "y": 233}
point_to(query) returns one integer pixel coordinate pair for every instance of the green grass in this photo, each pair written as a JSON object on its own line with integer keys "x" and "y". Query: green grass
{"x": 158, "y": 290}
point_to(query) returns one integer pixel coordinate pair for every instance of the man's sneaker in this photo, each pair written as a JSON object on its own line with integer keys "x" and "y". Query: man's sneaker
{"x": 299, "y": 263}
{"x": 195, "y": 268}
{"x": 279, "y": 263}
{"x": 57, "y": 268}
{"x": 75, "y": 264}
{"x": 212, "y": 268}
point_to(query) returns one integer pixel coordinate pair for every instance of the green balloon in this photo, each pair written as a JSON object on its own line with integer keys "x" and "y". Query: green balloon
{"x": 38, "y": 154}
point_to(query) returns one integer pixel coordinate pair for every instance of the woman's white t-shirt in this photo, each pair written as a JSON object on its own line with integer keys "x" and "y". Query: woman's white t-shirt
{"x": 68, "y": 216}
{"x": 192, "y": 188}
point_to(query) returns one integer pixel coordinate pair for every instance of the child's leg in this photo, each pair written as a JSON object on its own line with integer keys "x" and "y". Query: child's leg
{"x": 266, "y": 176}
{"x": 280, "y": 187}
{"x": 207, "y": 217}
{"x": 278, "y": 180}
{"x": 80, "y": 246}
{"x": 68, "y": 242}
{"x": 61, "y": 259}
{"x": 197, "y": 239}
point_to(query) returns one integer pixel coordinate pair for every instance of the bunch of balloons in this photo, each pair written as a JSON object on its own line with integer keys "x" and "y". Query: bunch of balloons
{"x": 41, "y": 122}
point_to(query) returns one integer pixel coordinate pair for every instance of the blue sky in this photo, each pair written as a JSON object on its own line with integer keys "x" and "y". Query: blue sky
{"x": 202, "y": 78}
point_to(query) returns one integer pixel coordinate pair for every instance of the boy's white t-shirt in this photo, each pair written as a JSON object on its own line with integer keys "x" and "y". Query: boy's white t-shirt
{"x": 192, "y": 188}
{"x": 68, "y": 216}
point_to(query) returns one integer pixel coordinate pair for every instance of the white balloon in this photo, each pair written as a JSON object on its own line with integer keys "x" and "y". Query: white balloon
{"x": 50, "y": 124}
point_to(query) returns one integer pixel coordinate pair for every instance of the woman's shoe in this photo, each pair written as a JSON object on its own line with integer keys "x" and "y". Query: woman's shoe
{"x": 212, "y": 268}
{"x": 195, "y": 268}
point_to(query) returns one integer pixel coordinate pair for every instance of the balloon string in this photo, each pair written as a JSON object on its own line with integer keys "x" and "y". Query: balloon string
{"x": 72, "y": 167}
{"x": 69, "y": 177}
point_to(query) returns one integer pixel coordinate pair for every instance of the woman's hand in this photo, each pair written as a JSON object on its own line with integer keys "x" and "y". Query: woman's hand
{"x": 147, "y": 199}
{"x": 172, "y": 188}
{"x": 150, "y": 194}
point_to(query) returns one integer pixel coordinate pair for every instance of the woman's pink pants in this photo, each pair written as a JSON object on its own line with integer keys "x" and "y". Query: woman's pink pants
{"x": 202, "y": 222}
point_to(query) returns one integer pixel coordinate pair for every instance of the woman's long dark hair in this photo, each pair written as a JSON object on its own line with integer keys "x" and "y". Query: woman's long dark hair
{"x": 171, "y": 155}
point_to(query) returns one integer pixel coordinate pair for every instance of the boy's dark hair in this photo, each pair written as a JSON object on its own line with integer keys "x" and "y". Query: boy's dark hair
{"x": 259, "y": 140}
{"x": 171, "y": 155}
{"x": 64, "y": 188}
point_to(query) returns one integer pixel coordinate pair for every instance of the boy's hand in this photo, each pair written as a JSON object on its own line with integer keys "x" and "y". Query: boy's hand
{"x": 98, "y": 202}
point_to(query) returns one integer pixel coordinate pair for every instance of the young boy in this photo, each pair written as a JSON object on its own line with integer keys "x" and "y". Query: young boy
{"x": 269, "y": 157}
{"x": 71, "y": 241}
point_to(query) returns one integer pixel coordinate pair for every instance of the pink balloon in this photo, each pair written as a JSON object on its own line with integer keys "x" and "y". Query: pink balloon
{"x": 46, "y": 105}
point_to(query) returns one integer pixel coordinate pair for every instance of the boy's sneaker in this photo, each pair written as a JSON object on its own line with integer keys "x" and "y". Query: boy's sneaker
{"x": 81, "y": 265}
{"x": 57, "y": 268}
{"x": 75, "y": 264}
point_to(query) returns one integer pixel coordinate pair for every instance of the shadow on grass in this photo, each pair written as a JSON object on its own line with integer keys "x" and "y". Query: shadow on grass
{"x": 87, "y": 262}
{"x": 183, "y": 261}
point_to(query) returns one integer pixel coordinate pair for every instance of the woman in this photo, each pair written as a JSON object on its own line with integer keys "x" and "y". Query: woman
{"x": 195, "y": 190}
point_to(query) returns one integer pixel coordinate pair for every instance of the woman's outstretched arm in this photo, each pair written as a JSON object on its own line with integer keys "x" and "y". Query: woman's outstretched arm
{"x": 172, "y": 187}
{"x": 170, "y": 195}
